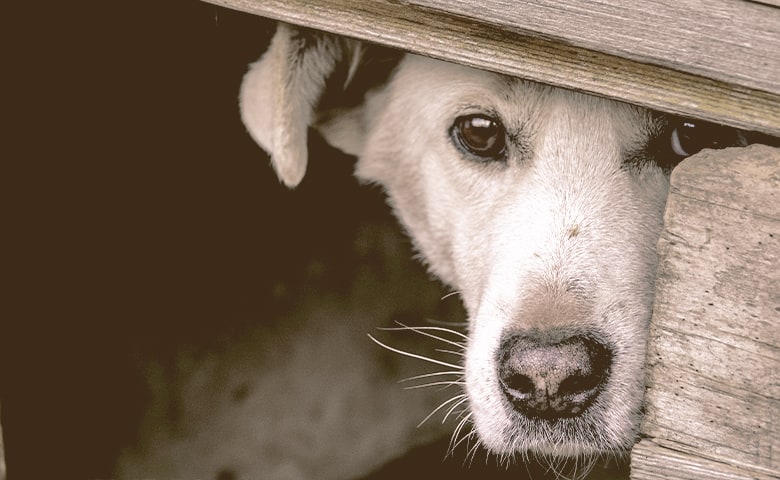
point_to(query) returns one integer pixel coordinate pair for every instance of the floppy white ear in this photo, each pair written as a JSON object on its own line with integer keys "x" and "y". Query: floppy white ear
{"x": 280, "y": 92}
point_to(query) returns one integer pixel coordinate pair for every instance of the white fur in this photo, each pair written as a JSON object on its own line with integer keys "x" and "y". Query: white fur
{"x": 562, "y": 235}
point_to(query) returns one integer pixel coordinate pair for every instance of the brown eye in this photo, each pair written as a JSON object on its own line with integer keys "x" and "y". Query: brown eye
{"x": 480, "y": 135}
{"x": 691, "y": 136}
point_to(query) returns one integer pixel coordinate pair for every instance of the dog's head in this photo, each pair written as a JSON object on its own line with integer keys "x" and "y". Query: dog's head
{"x": 540, "y": 206}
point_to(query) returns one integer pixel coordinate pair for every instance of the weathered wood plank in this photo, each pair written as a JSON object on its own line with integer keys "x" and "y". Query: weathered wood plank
{"x": 713, "y": 382}
{"x": 650, "y": 461}
{"x": 441, "y": 34}
{"x": 773, "y": 3}
{"x": 731, "y": 41}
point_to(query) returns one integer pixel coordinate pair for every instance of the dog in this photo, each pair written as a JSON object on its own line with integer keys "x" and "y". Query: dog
{"x": 541, "y": 207}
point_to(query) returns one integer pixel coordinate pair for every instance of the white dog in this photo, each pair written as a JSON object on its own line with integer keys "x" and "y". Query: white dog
{"x": 540, "y": 206}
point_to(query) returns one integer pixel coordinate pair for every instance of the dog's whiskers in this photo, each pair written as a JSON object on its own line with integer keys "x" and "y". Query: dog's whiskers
{"x": 450, "y": 352}
{"x": 472, "y": 453}
{"x": 434, "y": 384}
{"x": 414, "y": 355}
{"x": 448, "y": 295}
{"x": 428, "y": 375}
{"x": 448, "y": 325}
{"x": 442, "y": 405}
{"x": 454, "y": 442}
{"x": 425, "y": 330}
{"x": 463, "y": 400}
{"x": 506, "y": 460}
{"x": 464, "y": 431}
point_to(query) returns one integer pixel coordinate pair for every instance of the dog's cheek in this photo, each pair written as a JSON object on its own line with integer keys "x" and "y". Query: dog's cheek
{"x": 420, "y": 204}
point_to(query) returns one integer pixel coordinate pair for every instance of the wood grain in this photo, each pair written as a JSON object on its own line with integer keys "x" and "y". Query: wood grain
{"x": 513, "y": 50}
{"x": 650, "y": 461}
{"x": 713, "y": 382}
{"x": 731, "y": 41}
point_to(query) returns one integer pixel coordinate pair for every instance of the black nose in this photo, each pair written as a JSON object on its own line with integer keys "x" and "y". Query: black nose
{"x": 552, "y": 379}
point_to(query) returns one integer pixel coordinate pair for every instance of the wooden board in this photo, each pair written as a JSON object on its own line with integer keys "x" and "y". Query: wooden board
{"x": 716, "y": 74}
{"x": 732, "y": 41}
{"x": 713, "y": 382}
{"x": 650, "y": 461}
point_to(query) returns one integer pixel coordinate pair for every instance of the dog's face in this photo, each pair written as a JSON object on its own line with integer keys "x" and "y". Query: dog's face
{"x": 528, "y": 200}
{"x": 540, "y": 206}
{"x": 521, "y": 197}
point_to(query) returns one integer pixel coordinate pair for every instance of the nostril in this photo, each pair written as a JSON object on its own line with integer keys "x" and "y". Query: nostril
{"x": 551, "y": 379}
{"x": 579, "y": 383}
{"x": 522, "y": 384}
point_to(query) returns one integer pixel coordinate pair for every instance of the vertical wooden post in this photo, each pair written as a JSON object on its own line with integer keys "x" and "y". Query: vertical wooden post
{"x": 713, "y": 380}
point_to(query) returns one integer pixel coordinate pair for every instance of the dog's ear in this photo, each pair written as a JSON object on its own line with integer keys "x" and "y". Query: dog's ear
{"x": 301, "y": 82}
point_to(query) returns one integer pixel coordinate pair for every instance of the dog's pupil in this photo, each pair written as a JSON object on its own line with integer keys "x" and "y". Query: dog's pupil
{"x": 480, "y": 133}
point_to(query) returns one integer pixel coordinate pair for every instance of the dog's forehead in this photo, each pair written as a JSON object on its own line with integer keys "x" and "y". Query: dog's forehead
{"x": 456, "y": 85}
{"x": 459, "y": 89}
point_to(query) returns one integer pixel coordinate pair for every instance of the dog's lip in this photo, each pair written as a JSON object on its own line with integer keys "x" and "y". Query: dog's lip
{"x": 559, "y": 438}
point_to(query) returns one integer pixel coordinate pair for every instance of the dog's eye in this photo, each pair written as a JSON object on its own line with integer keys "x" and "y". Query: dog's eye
{"x": 691, "y": 136}
{"x": 480, "y": 135}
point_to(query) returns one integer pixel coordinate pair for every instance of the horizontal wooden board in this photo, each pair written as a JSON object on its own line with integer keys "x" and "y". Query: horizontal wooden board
{"x": 731, "y": 41}
{"x": 731, "y": 96}
{"x": 713, "y": 381}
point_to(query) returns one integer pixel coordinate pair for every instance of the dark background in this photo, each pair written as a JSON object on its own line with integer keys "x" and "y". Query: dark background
{"x": 137, "y": 213}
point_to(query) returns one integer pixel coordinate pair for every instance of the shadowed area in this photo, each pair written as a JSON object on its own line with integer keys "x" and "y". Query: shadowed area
{"x": 144, "y": 222}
